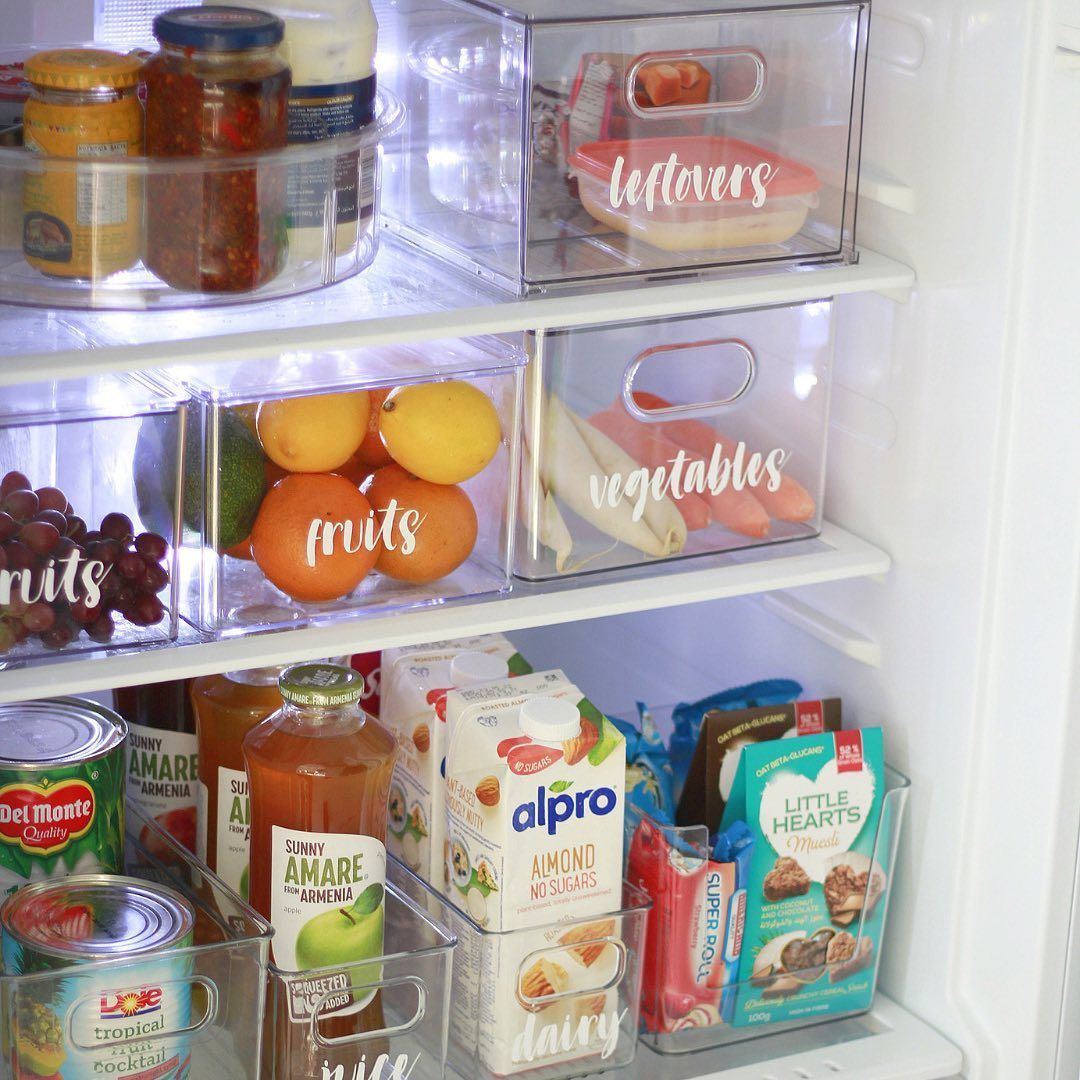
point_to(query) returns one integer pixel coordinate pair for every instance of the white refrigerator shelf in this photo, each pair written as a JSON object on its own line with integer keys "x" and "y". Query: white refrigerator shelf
{"x": 400, "y": 299}
{"x": 836, "y": 555}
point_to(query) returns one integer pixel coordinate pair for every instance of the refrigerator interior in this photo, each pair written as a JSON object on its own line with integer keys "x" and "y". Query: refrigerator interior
{"x": 951, "y": 447}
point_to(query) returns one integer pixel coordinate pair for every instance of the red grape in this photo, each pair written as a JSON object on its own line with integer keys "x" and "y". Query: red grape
{"x": 75, "y": 527}
{"x": 83, "y": 614}
{"x": 3, "y": 558}
{"x": 13, "y": 481}
{"x": 155, "y": 577}
{"x": 102, "y": 628}
{"x": 38, "y": 618}
{"x": 19, "y": 556}
{"x": 59, "y": 636}
{"x": 130, "y": 565}
{"x": 117, "y": 526}
{"x": 57, "y": 520}
{"x": 51, "y": 498}
{"x": 146, "y": 610}
{"x": 21, "y": 504}
{"x": 104, "y": 551}
{"x": 90, "y": 537}
{"x": 64, "y": 547}
{"x": 8, "y": 526}
{"x": 151, "y": 545}
{"x": 39, "y": 536}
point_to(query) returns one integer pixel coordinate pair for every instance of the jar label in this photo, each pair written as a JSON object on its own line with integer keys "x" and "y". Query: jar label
{"x": 233, "y": 829}
{"x": 326, "y": 904}
{"x": 162, "y": 773}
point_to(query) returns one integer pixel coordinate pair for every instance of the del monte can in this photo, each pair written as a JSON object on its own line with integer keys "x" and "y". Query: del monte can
{"x": 73, "y": 1017}
{"x": 61, "y": 790}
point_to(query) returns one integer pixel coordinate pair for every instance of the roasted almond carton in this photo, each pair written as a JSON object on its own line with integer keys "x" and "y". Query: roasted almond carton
{"x": 817, "y": 884}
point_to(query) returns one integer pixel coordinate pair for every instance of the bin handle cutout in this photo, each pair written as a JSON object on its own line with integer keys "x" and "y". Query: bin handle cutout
{"x": 651, "y": 112}
{"x": 92, "y": 1001}
{"x": 540, "y": 1001}
{"x": 704, "y": 408}
{"x": 319, "y": 1039}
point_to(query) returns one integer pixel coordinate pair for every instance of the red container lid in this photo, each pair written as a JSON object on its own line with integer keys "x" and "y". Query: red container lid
{"x": 706, "y": 153}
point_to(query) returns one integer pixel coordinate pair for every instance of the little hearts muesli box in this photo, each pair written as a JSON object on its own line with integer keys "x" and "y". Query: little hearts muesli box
{"x": 815, "y": 890}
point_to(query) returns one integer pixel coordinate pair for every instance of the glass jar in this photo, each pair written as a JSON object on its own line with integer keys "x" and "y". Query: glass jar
{"x": 217, "y": 88}
{"x": 82, "y": 221}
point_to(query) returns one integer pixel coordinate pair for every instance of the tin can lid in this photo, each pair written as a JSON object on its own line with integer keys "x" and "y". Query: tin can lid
{"x": 219, "y": 28}
{"x": 97, "y": 916}
{"x": 327, "y": 685}
{"x": 83, "y": 69}
{"x": 57, "y": 730}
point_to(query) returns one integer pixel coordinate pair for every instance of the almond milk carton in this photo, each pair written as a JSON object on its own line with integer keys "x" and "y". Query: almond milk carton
{"x": 414, "y": 684}
{"x": 534, "y": 831}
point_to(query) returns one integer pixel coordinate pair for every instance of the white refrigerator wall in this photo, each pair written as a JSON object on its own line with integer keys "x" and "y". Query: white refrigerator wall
{"x": 952, "y": 446}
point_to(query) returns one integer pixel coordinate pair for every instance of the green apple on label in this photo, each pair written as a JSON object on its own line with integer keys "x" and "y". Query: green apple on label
{"x": 343, "y": 935}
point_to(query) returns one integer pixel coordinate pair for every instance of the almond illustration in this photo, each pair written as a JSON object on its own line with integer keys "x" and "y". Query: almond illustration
{"x": 590, "y": 1005}
{"x": 487, "y": 791}
{"x": 421, "y": 738}
{"x": 590, "y": 936}
{"x": 543, "y": 980}
{"x": 579, "y": 746}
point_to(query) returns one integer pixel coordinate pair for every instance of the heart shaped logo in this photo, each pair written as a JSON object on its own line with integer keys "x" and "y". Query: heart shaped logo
{"x": 811, "y": 820}
{"x": 42, "y": 820}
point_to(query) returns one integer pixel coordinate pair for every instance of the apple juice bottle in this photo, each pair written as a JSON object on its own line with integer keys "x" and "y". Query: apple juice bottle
{"x": 319, "y": 771}
{"x": 226, "y": 708}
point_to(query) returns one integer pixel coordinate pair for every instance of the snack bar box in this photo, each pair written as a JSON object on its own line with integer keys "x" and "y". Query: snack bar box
{"x": 378, "y": 478}
{"x": 656, "y": 440}
{"x": 565, "y": 143}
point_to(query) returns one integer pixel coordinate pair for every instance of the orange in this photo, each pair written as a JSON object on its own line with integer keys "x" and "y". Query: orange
{"x": 445, "y": 535}
{"x": 372, "y": 453}
{"x": 289, "y": 536}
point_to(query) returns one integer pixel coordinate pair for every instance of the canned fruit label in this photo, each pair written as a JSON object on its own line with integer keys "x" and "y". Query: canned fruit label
{"x": 233, "y": 829}
{"x": 326, "y": 905}
{"x": 68, "y": 821}
{"x": 162, "y": 774}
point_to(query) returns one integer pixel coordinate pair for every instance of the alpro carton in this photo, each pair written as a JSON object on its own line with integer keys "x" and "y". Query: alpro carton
{"x": 535, "y": 800}
{"x": 415, "y": 681}
{"x": 818, "y": 880}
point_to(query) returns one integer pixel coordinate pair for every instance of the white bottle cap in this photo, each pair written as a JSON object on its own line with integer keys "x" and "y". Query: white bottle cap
{"x": 474, "y": 668}
{"x": 549, "y": 719}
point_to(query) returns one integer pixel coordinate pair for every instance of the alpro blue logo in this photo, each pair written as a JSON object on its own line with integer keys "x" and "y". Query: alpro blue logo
{"x": 556, "y": 804}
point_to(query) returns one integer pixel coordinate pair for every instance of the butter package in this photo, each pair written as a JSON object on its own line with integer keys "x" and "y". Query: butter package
{"x": 414, "y": 683}
{"x": 815, "y": 891}
{"x": 535, "y": 799}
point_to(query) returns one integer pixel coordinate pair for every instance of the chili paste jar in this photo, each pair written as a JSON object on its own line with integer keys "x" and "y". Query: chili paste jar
{"x": 218, "y": 88}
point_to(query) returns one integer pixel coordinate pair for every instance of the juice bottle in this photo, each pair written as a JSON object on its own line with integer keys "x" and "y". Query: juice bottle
{"x": 162, "y": 762}
{"x": 226, "y": 708}
{"x": 319, "y": 771}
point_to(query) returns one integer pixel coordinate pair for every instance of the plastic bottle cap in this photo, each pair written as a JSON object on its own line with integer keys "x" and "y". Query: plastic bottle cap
{"x": 474, "y": 668}
{"x": 325, "y": 685}
{"x": 549, "y": 719}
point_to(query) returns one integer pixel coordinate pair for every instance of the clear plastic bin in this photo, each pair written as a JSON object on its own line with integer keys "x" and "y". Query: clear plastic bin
{"x": 285, "y": 534}
{"x": 225, "y": 968}
{"x": 508, "y": 1016}
{"x": 662, "y": 439}
{"x": 555, "y": 144}
{"x": 680, "y": 1015}
{"x": 175, "y": 195}
{"x": 407, "y": 1020}
{"x": 80, "y": 441}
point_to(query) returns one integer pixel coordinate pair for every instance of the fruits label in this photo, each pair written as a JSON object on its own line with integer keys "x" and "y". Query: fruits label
{"x": 233, "y": 829}
{"x": 162, "y": 775}
{"x": 326, "y": 905}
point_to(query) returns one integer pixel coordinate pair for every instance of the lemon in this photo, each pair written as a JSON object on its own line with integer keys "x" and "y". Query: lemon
{"x": 316, "y": 433}
{"x": 442, "y": 432}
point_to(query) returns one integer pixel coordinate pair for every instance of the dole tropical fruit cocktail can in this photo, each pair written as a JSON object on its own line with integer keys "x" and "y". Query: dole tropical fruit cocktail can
{"x": 61, "y": 790}
{"x": 73, "y": 1017}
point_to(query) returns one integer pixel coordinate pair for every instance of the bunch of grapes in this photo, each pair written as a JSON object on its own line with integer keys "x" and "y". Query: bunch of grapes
{"x": 39, "y": 527}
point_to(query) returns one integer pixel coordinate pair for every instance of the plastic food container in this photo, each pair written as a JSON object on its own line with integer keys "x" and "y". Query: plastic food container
{"x": 105, "y": 552}
{"x": 560, "y": 1000}
{"x": 700, "y": 193}
{"x": 296, "y": 260}
{"x": 656, "y": 440}
{"x": 221, "y": 970}
{"x": 304, "y": 513}
{"x": 517, "y": 117}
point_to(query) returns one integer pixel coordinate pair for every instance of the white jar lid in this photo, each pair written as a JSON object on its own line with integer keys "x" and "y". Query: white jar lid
{"x": 474, "y": 668}
{"x": 549, "y": 719}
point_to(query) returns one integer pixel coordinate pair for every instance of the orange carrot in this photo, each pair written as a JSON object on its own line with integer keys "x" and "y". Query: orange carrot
{"x": 789, "y": 502}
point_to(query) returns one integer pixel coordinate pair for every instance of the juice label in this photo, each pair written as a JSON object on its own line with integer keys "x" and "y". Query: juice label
{"x": 162, "y": 775}
{"x": 326, "y": 905}
{"x": 66, "y": 820}
{"x": 233, "y": 829}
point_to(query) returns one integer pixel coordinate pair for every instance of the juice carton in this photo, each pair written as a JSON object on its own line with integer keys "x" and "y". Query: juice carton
{"x": 816, "y": 890}
{"x": 535, "y": 779}
{"x": 414, "y": 682}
